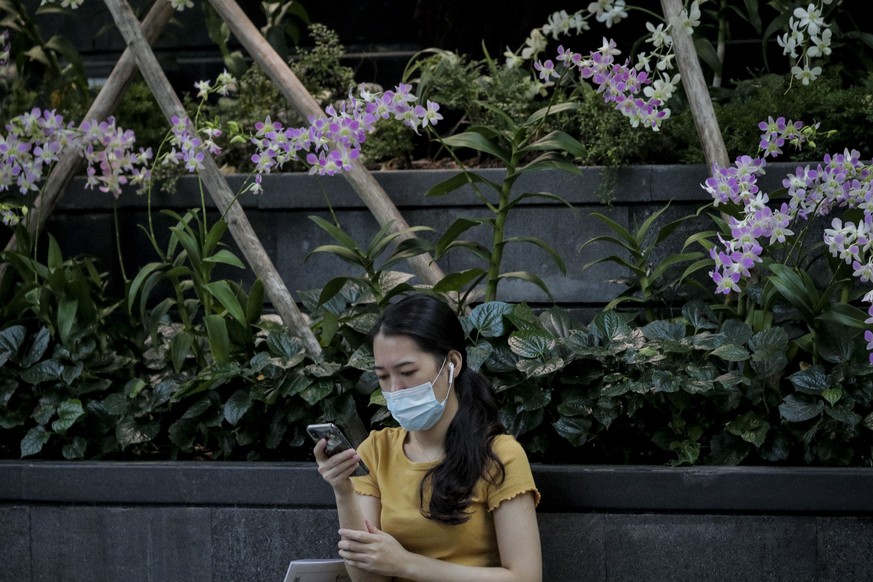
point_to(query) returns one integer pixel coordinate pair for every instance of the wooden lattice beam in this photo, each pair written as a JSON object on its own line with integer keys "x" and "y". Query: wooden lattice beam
{"x": 237, "y": 221}
{"x": 368, "y": 189}
{"x": 696, "y": 90}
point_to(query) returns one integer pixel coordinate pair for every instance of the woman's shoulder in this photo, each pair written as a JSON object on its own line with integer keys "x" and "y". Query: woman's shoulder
{"x": 384, "y": 437}
{"x": 506, "y": 447}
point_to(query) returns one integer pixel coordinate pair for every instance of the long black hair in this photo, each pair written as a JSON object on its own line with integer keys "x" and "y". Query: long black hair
{"x": 435, "y": 328}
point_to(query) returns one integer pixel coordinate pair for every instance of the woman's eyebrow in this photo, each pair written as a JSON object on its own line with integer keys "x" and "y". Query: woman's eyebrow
{"x": 396, "y": 366}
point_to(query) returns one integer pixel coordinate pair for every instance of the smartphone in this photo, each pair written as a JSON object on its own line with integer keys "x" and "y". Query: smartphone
{"x": 336, "y": 443}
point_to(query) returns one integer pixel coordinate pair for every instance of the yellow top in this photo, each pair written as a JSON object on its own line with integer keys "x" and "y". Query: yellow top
{"x": 395, "y": 480}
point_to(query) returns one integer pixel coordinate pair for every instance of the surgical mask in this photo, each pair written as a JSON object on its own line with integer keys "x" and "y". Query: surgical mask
{"x": 417, "y": 408}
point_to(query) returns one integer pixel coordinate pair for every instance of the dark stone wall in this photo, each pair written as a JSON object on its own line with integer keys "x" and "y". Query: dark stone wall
{"x": 242, "y": 522}
{"x": 83, "y": 223}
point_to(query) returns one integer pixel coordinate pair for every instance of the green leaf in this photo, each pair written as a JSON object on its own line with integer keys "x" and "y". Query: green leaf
{"x": 236, "y": 406}
{"x": 180, "y": 349}
{"x": 69, "y": 412}
{"x": 832, "y": 395}
{"x": 476, "y": 141}
{"x": 455, "y": 230}
{"x": 225, "y": 257}
{"x": 37, "y": 348}
{"x": 11, "y": 340}
{"x": 459, "y": 181}
{"x": 813, "y": 380}
{"x": 530, "y": 278}
{"x": 531, "y": 344}
{"x": 460, "y": 280}
{"x": 75, "y": 449}
{"x": 130, "y": 432}
{"x": 317, "y": 391}
{"x": 557, "y": 140}
{"x": 768, "y": 343}
{"x": 542, "y": 244}
{"x": 222, "y": 291}
{"x": 487, "y": 318}
{"x": 574, "y": 430}
{"x": 536, "y": 368}
{"x": 731, "y": 353}
{"x": 33, "y": 441}
{"x": 750, "y": 427}
{"x": 664, "y": 330}
{"x": 67, "y": 309}
{"x": 798, "y": 409}
{"x": 219, "y": 341}
{"x": 44, "y": 371}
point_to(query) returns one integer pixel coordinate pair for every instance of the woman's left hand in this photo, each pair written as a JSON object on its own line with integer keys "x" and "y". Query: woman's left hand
{"x": 372, "y": 550}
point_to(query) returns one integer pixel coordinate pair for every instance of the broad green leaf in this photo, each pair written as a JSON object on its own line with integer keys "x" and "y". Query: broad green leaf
{"x": 283, "y": 344}
{"x": 487, "y": 318}
{"x": 699, "y": 315}
{"x": 33, "y": 441}
{"x": 813, "y": 380}
{"x": 664, "y": 330}
{"x": 798, "y": 409}
{"x": 731, "y": 353}
{"x": 832, "y": 395}
{"x": 11, "y": 340}
{"x": 236, "y": 406}
{"x": 575, "y": 430}
{"x": 37, "y": 348}
{"x": 317, "y": 391}
{"x": 130, "y": 432}
{"x": 75, "y": 449}
{"x": 536, "y": 368}
{"x": 736, "y": 331}
{"x": 69, "y": 412}
{"x": 44, "y": 371}
{"x": 750, "y": 427}
{"x": 519, "y": 421}
{"x": 768, "y": 343}
{"x": 531, "y": 343}
{"x": 843, "y": 414}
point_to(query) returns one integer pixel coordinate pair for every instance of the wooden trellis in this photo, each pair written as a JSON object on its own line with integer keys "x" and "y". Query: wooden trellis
{"x": 139, "y": 54}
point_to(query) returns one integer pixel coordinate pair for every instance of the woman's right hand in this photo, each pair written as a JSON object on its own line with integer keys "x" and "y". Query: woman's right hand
{"x": 337, "y": 469}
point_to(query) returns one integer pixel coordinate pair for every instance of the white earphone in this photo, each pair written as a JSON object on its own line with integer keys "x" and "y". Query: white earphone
{"x": 451, "y": 373}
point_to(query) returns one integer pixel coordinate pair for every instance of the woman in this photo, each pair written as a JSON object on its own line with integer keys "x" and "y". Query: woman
{"x": 449, "y": 496}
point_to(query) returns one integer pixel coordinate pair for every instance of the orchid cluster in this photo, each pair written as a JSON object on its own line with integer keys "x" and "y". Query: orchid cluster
{"x": 809, "y": 37}
{"x": 760, "y": 225}
{"x": 618, "y": 83}
{"x": 841, "y": 180}
{"x": 34, "y": 142}
{"x": 610, "y": 12}
{"x": 331, "y": 143}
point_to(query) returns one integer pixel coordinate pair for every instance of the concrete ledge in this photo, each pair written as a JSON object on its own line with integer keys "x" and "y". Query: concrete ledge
{"x": 565, "y": 489}
{"x": 243, "y": 522}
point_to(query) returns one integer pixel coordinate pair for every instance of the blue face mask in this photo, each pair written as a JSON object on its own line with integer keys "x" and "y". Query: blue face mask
{"x": 417, "y": 408}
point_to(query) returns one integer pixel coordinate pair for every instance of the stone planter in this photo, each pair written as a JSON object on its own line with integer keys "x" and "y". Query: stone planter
{"x": 83, "y": 223}
{"x": 102, "y": 521}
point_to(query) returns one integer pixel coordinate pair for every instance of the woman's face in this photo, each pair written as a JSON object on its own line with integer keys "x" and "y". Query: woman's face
{"x": 400, "y": 364}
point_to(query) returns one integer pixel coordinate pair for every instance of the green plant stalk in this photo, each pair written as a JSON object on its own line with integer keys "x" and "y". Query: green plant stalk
{"x": 498, "y": 235}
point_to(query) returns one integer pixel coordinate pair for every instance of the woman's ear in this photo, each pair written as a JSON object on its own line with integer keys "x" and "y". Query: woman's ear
{"x": 455, "y": 363}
